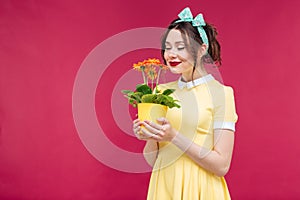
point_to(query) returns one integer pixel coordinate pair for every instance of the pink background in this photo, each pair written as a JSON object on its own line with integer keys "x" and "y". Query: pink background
{"x": 42, "y": 45}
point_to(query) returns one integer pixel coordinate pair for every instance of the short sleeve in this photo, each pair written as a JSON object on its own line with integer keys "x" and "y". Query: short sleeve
{"x": 225, "y": 115}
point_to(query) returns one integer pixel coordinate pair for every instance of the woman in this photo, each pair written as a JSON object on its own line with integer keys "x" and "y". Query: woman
{"x": 191, "y": 149}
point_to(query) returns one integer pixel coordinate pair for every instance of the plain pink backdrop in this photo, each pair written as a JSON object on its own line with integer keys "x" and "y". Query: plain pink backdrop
{"x": 42, "y": 45}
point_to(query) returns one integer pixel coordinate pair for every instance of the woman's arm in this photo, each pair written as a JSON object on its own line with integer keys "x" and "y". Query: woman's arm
{"x": 150, "y": 152}
{"x": 216, "y": 160}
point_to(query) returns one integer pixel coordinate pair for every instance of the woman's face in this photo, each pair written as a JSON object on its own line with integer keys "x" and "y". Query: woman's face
{"x": 179, "y": 60}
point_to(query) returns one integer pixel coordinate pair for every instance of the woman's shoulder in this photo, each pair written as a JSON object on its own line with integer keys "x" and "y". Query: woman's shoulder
{"x": 220, "y": 88}
{"x": 218, "y": 85}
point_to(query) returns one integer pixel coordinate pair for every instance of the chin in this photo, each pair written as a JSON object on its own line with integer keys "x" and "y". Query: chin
{"x": 175, "y": 71}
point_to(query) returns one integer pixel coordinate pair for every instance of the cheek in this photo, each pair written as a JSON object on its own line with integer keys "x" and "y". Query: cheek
{"x": 184, "y": 55}
{"x": 188, "y": 57}
{"x": 165, "y": 55}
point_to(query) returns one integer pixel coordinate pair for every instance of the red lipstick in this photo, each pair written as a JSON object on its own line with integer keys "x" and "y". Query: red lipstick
{"x": 174, "y": 63}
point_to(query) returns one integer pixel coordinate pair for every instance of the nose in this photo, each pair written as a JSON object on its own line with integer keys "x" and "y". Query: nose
{"x": 171, "y": 54}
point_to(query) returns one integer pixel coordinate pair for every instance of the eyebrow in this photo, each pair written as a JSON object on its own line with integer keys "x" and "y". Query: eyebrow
{"x": 178, "y": 42}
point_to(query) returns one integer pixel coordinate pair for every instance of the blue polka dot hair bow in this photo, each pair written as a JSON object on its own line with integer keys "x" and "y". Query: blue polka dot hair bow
{"x": 186, "y": 16}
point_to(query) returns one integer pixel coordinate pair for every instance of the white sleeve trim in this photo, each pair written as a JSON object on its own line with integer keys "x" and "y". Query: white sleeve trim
{"x": 224, "y": 125}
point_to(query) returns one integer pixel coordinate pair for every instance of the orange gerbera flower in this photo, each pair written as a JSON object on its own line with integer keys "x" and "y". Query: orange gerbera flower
{"x": 148, "y": 68}
{"x": 136, "y": 67}
{"x": 153, "y": 61}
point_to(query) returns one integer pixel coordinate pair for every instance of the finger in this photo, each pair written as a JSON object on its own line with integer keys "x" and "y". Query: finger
{"x": 162, "y": 120}
{"x": 146, "y": 135}
{"x": 140, "y": 137}
{"x": 139, "y": 134}
{"x": 149, "y": 134}
{"x": 156, "y": 128}
{"x": 150, "y": 131}
{"x": 152, "y": 124}
{"x": 137, "y": 124}
{"x": 136, "y": 121}
{"x": 144, "y": 138}
{"x": 137, "y": 130}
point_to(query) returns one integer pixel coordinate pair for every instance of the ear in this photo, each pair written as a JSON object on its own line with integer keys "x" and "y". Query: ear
{"x": 202, "y": 50}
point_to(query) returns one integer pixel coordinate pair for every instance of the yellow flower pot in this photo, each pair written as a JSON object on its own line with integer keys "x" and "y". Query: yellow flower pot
{"x": 151, "y": 111}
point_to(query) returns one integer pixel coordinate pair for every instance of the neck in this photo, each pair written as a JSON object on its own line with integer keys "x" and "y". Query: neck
{"x": 189, "y": 76}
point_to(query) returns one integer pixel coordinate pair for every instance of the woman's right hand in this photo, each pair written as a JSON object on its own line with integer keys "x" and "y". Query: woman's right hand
{"x": 137, "y": 130}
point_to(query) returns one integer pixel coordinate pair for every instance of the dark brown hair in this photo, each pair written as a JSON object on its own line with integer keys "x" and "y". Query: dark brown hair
{"x": 193, "y": 41}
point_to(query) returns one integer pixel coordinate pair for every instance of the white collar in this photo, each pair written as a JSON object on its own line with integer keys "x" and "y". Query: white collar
{"x": 196, "y": 82}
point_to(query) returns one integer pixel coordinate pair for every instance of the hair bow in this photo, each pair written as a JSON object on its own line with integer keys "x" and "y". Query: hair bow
{"x": 186, "y": 16}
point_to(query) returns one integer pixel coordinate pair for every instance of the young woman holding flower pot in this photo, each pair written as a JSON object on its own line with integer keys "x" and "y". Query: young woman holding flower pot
{"x": 191, "y": 148}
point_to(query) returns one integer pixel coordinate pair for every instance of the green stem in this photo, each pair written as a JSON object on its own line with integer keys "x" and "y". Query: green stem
{"x": 152, "y": 84}
{"x": 144, "y": 78}
{"x": 158, "y": 75}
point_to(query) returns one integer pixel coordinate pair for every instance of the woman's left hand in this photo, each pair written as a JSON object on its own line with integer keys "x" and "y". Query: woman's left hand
{"x": 162, "y": 131}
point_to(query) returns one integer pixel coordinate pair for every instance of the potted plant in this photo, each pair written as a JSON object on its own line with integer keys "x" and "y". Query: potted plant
{"x": 151, "y": 102}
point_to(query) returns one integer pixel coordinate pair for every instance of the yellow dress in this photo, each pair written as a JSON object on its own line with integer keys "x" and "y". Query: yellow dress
{"x": 206, "y": 104}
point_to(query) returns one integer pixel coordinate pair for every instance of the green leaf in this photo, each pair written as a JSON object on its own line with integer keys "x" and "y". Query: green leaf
{"x": 168, "y": 91}
{"x": 145, "y": 89}
{"x": 143, "y": 94}
{"x": 176, "y": 105}
{"x": 148, "y": 98}
{"x": 157, "y": 90}
{"x": 126, "y": 91}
